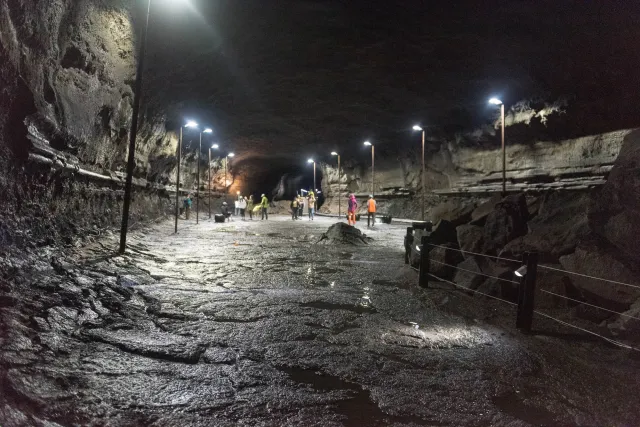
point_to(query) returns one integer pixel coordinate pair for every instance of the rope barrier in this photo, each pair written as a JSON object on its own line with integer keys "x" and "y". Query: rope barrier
{"x": 474, "y": 253}
{"x": 614, "y": 342}
{"x": 587, "y": 276}
{"x": 473, "y": 272}
{"x": 592, "y": 305}
{"x": 472, "y": 290}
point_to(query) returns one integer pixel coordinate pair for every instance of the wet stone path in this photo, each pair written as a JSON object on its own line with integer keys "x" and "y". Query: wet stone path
{"x": 252, "y": 323}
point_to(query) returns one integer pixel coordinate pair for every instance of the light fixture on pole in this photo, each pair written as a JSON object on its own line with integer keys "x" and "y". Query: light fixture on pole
{"x": 226, "y": 161}
{"x": 314, "y": 173}
{"x": 133, "y": 133}
{"x": 333, "y": 153}
{"x": 369, "y": 144}
{"x": 190, "y": 124}
{"x": 419, "y": 129}
{"x": 198, "y": 158}
{"x": 496, "y": 101}
{"x": 214, "y": 147}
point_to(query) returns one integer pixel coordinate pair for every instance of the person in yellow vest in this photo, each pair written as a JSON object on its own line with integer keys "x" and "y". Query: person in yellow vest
{"x": 371, "y": 211}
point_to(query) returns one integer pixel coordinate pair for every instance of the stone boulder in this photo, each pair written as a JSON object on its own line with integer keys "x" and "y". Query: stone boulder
{"x": 626, "y": 326}
{"x": 479, "y": 215}
{"x": 503, "y": 285}
{"x": 594, "y": 259}
{"x": 470, "y": 238}
{"x": 556, "y": 230}
{"x": 444, "y": 232}
{"x": 443, "y": 259}
{"x": 456, "y": 211}
{"x": 469, "y": 274}
{"x": 507, "y": 222}
{"x": 615, "y": 212}
{"x": 343, "y": 234}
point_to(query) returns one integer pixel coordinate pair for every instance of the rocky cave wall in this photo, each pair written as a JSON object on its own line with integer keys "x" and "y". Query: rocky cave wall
{"x": 67, "y": 70}
{"x": 457, "y": 172}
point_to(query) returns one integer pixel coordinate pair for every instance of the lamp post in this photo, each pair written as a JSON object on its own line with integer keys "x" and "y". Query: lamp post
{"x": 133, "y": 134}
{"x": 226, "y": 161}
{"x": 215, "y": 147}
{"x": 496, "y": 101}
{"x": 314, "y": 173}
{"x": 333, "y": 153}
{"x": 207, "y": 130}
{"x": 190, "y": 124}
{"x": 419, "y": 128}
{"x": 369, "y": 144}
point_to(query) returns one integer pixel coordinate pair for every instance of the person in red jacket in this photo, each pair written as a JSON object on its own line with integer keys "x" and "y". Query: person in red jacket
{"x": 371, "y": 211}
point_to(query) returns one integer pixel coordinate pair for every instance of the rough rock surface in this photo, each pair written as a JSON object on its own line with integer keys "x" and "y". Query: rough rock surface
{"x": 559, "y": 226}
{"x": 505, "y": 223}
{"x": 343, "y": 234}
{"x": 469, "y": 274}
{"x": 249, "y": 323}
{"x": 470, "y": 238}
{"x": 443, "y": 259}
{"x": 594, "y": 259}
{"x": 615, "y": 213}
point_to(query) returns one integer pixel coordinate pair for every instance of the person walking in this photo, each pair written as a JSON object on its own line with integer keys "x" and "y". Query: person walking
{"x": 352, "y": 205}
{"x": 250, "y": 206}
{"x": 371, "y": 211}
{"x": 242, "y": 204}
{"x": 312, "y": 205}
{"x": 264, "y": 204}
{"x": 186, "y": 203}
{"x": 294, "y": 208}
{"x": 236, "y": 207}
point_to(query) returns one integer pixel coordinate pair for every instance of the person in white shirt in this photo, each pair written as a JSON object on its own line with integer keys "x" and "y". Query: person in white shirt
{"x": 242, "y": 205}
{"x": 236, "y": 206}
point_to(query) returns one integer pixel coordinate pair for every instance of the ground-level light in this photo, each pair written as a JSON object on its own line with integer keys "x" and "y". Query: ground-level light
{"x": 522, "y": 271}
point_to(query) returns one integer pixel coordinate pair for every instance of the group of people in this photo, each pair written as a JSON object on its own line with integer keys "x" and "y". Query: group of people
{"x": 298, "y": 203}
{"x": 352, "y": 207}
{"x": 243, "y": 204}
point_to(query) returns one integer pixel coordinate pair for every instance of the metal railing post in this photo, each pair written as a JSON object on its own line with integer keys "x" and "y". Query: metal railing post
{"x": 423, "y": 277}
{"x": 526, "y": 290}
{"x": 408, "y": 241}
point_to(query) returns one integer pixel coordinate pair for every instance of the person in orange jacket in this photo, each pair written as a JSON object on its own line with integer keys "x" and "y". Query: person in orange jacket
{"x": 371, "y": 211}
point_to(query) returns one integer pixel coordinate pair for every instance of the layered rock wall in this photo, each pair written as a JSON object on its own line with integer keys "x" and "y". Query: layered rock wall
{"x": 451, "y": 171}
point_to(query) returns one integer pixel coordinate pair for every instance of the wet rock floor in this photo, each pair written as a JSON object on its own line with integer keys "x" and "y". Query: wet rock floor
{"x": 252, "y": 324}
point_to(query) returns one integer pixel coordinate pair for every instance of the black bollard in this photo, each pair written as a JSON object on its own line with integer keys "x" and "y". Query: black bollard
{"x": 423, "y": 277}
{"x": 526, "y": 291}
{"x": 408, "y": 240}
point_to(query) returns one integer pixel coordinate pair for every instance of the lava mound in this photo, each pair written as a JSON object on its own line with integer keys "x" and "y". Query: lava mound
{"x": 343, "y": 234}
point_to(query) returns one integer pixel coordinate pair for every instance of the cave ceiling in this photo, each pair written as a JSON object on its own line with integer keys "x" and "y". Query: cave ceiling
{"x": 285, "y": 78}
